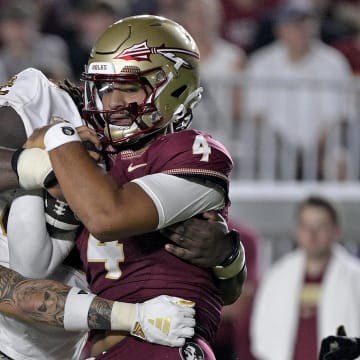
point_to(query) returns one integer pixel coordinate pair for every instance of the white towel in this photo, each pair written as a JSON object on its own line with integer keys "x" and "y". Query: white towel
{"x": 276, "y": 310}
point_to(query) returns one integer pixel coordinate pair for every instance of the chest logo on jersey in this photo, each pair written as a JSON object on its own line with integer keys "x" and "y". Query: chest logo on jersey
{"x": 132, "y": 167}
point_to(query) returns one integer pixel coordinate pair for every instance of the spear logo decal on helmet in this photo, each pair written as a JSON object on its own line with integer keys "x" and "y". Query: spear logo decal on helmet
{"x": 142, "y": 52}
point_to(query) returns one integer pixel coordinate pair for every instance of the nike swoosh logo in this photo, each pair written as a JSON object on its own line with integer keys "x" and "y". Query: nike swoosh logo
{"x": 132, "y": 167}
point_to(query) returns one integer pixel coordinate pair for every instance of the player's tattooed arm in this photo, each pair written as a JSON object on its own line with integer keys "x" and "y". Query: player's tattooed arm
{"x": 51, "y": 303}
{"x": 100, "y": 314}
{"x": 43, "y": 301}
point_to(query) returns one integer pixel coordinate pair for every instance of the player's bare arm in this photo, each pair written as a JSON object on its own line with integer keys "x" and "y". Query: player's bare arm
{"x": 51, "y": 303}
{"x": 206, "y": 242}
{"x": 230, "y": 285}
{"x": 124, "y": 210}
{"x": 203, "y": 240}
{"x": 100, "y": 314}
{"x": 26, "y": 299}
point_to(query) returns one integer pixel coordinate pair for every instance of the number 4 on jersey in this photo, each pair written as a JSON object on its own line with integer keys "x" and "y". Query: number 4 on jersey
{"x": 201, "y": 147}
{"x": 110, "y": 253}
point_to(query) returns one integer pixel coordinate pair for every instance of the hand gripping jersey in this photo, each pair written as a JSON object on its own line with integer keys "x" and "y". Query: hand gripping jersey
{"x": 21, "y": 341}
{"x": 137, "y": 268}
{"x": 36, "y": 100}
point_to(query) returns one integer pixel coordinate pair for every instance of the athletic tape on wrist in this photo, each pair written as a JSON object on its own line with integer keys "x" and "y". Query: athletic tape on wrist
{"x": 33, "y": 167}
{"x": 76, "y": 309}
{"x": 123, "y": 316}
{"x": 60, "y": 134}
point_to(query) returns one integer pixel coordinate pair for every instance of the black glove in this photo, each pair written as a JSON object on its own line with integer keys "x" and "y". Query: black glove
{"x": 339, "y": 347}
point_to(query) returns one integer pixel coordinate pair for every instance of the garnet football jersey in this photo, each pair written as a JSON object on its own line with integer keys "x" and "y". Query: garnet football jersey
{"x": 138, "y": 268}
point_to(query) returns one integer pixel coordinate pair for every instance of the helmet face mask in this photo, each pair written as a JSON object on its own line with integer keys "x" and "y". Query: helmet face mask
{"x": 101, "y": 119}
{"x": 158, "y": 55}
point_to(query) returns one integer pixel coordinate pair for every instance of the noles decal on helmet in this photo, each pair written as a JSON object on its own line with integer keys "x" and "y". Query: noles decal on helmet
{"x": 191, "y": 351}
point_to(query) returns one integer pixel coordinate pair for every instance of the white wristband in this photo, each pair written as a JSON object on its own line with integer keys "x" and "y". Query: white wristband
{"x": 123, "y": 316}
{"x": 76, "y": 309}
{"x": 60, "y": 134}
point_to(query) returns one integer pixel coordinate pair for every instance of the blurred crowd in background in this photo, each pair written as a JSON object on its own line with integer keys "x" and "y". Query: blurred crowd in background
{"x": 57, "y": 35}
{"x": 262, "y": 63}
{"x": 281, "y": 90}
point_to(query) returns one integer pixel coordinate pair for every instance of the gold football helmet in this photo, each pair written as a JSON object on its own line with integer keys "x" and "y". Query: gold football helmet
{"x": 157, "y": 53}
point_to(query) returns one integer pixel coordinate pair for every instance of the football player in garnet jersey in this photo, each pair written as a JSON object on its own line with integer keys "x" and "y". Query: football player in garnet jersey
{"x": 141, "y": 84}
{"x": 40, "y": 304}
{"x": 29, "y": 100}
{"x": 201, "y": 242}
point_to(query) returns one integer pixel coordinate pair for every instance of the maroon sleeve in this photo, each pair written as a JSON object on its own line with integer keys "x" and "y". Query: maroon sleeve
{"x": 192, "y": 154}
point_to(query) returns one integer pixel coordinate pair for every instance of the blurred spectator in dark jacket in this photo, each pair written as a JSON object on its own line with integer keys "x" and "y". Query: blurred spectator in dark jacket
{"x": 243, "y": 19}
{"x": 23, "y": 45}
{"x": 87, "y": 20}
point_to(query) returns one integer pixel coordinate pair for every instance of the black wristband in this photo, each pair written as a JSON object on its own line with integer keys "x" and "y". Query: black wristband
{"x": 50, "y": 180}
{"x": 235, "y": 239}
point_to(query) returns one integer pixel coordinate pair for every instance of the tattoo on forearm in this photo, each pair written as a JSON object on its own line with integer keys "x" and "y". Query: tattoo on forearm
{"x": 100, "y": 314}
{"x": 44, "y": 301}
{"x": 32, "y": 300}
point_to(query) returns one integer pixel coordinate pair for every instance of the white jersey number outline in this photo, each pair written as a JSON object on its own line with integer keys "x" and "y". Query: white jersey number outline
{"x": 111, "y": 253}
{"x": 201, "y": 147}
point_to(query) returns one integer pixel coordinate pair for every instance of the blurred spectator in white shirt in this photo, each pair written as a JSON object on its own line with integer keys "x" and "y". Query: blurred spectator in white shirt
{"x": 297, "y": 91}
{"x": 221, "y": 62}
{"x": 307, "y": 293}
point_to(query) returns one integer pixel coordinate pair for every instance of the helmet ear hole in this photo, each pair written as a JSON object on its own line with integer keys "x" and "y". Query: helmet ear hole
{"x": 177, "y": 93}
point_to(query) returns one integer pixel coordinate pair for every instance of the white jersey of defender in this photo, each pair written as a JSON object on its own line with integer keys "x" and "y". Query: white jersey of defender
{"x": 21, "y": 341}
{"x": 36, "y": 100}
